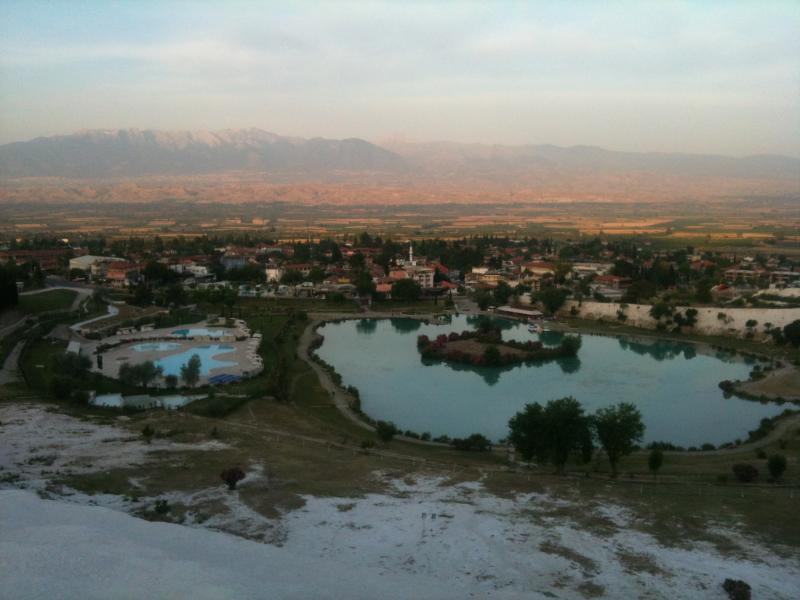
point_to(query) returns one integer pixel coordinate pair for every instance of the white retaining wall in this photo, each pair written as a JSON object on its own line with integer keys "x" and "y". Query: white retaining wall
{"x": 707, "y": 321}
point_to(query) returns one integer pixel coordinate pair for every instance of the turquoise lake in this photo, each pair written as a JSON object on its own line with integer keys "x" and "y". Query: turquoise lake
{"x": 674, "y": 384}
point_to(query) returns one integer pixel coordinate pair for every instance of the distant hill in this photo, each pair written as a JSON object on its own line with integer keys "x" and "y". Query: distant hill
{"x": 133, "y": 152}
{"x": 251, "y": 165}
{"x": 493, "y": 160}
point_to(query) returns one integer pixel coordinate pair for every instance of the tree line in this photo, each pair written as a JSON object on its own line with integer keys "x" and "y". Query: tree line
{"x": 560, "y": 429}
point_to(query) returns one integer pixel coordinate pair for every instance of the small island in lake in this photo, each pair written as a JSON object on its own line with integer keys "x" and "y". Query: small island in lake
{"x": 485, "y": 347}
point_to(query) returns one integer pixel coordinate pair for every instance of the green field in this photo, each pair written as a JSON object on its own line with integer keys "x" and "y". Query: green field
{"x": 47, "y": 301}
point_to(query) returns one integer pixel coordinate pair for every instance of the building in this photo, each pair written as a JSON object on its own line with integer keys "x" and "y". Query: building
{"x": 613, "y": 281}
{"x": 94, "y": 265}
{"x": 48, "y": 259}
{"x": 122, "y": 273}
{"x": 274, "y": 273}
{"x": 519, "y": 313}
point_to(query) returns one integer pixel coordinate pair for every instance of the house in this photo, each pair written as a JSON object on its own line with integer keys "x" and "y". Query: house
{"x": 541, "y": 268}
{"x": 274, "y": 272}
{"x": 95, "y": 265}
{"x": 47, "y": 258}
{"x": 122, "y": 274}
{"x": 613, "y": 281}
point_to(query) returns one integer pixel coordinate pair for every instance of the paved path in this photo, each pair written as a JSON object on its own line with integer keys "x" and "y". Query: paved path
{"x": 340, "y": 398}
{"x": 9, "y": 373}
{"x": 113, "y": 311}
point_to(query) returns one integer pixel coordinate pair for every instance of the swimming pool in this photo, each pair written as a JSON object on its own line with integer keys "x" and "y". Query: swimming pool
{"x": 172, "y": 364}
{"x": 200, "y": 331}
{"x": 156, "y": 347}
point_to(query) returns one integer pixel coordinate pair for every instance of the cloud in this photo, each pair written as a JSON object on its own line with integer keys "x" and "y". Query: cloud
{"x": 271, "y": 64}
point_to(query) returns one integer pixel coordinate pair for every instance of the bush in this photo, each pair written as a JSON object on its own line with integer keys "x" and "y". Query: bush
{"x": 476, "y": 442}
{"x": 655, "y": 459}
{"x": 737, "y": 589}
{"x": 745, "y": 473}
{"x": 776, "y": 465}
{"x": 161, "y": 507}
{"x": 385, "y": 431}
{"x": 148, "y": 433}
{"x": 61, "y": 386}
{"x": 231, "y": 477}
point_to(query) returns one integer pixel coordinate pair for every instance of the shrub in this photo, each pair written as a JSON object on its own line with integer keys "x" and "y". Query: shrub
{"x": 385, "y": 431}
{"x": 161, "y": 507}
{"x": 475, "y": 442}
{"x": 736, "y": 589}
{"x": 745, "y": 473}
{"x": 776, "y": 465}
{"x": 148, "y": 433}
{"x": 655, "y": 459}
{"x": 231, "y": 477}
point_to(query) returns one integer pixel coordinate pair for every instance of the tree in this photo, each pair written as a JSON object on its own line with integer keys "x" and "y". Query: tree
{"x": 406, "y": 290}
{"x": 492, "y": 356}
{"x": 791, "y": 333}
{"x": 386, "y": 431}
{"x": 551, "y": 433}
{"x": 8, "y": 288}
{"x": 171, "y": 381}
{"x": 619, "y": 429}
{"x": 655, "y": 460}
{"x": 552, "y": 298}
{"x": 528, "y": 432}
{"x": 232, "y": 476}
{"x": 364, "y": 284}
{"x": 776, "y": 465}
{"x": 475, "y": 442}
{"x": 484, "y": 299}
{"x": 190, "y": 372}
{"x": 502, "y": 293}
{"x": 660, "y": 309}
{"x": 292, "y": 277}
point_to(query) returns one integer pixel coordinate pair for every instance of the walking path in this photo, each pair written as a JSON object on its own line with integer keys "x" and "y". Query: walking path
{"x": 9, "y": 373}
{"x": 113, "y": 311}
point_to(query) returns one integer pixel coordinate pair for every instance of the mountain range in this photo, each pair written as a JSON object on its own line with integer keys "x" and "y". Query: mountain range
{"x": 133, "y": 153}
{"x": 250, "y": 165}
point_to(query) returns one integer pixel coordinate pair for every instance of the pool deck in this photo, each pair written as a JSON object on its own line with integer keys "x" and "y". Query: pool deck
{"x": 244, "y": 350}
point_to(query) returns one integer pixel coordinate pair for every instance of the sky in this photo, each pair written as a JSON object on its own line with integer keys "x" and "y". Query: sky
{"x": 710, "y": 77}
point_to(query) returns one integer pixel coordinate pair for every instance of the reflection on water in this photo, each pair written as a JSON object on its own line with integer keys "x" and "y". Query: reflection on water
{"x": 673, "y": 383}
{"x": 402, "y": 325}
{"x": 366, "y": 325}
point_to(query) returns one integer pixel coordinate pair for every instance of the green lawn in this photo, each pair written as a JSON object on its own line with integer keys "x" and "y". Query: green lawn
{"x": 44, "y": 301}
